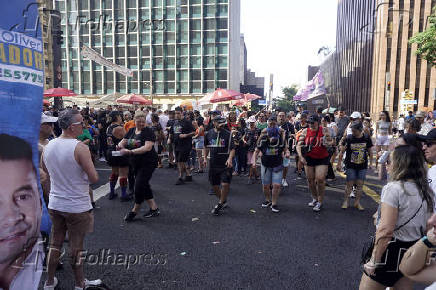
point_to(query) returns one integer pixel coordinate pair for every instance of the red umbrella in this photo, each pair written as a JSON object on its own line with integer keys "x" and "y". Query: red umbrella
{"x": 45, "y": 102}
{"x": 59, "y": 92}
{"x": 251, "y": 97}
{"x": 134, "y": 100}
{"x": 221, "y": 95}
{"x": 240, "y": 102}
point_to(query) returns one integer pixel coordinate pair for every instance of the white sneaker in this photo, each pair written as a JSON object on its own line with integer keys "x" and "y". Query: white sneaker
{"x": 102, "y": 159}
{"x": 317, "y": 207}
{"x": 353, "y": 193}
{"x": 88, "y": 283}
{"x": 51, "y": 287}
{"x": 312, "y": 203}
{"x": 285, "y": 183}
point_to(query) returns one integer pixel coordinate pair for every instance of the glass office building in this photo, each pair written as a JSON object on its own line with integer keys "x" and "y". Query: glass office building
{"x": 180, "y": 47}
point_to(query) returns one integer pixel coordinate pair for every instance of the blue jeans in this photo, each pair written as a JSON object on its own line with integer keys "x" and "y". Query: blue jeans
{"x": 271, "y": 177}
{"x": 355, "y": 174}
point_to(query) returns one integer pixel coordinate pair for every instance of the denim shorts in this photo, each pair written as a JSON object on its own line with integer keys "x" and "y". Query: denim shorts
{"x": 271, "y": 177}
{"x": 355, "y": 174}
{"x": 199, "y": 142}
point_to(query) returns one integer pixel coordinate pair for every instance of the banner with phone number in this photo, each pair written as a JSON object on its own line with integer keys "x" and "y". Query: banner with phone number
{"x": 22, "y": 77}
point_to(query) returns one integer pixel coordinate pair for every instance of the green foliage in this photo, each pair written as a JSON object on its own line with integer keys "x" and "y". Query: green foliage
{"x": 426, "y": 41}
{"x": 287, "y": 102}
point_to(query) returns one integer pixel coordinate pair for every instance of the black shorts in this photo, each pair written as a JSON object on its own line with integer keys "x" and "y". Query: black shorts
{"x": 388, "y": 274}
{"x": 117, "y": 161}
{"x": 312, "y": 162}
{"x": 220, "y": 175}
{"x": 183, "y": 156}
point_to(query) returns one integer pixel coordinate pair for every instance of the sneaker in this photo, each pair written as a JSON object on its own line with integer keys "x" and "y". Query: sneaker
{"x": 112, "y": 196}
{"x": 266, "y": 204}
{"x": 352, "y": 194}
{"x": 180, "y": 181}
{"x": 97, "y": 282}
{"x": 312, "y": 203}
{"x": 130, "y": 216}
{"x": 299, "y": 176}
{"x": 225, "y": 205}
{"x": 188, "y": 178}
{"x": 102, "y": 159}
{"x": 317, "y": 207}
{"x": 285, "y": 183}
{"x": 359, "y": 206}
{"x": 345, "y": 204}
{"x": 217, "y": 209}
{"x": 274, "y": 208}
{"x": 125, "y": 198}
{"x": 51, "y": 287}
{"x": 152, "y": 213}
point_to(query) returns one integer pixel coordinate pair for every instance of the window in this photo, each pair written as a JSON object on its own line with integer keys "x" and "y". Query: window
{"x": 195, "y": 75}
{"x": 170, "y": 50}
{"x": 196, "y": 87}
{"x": 145, "y": 63}
{"x": 195, "y": 49}
{"x": 195, "y": 11}
{"x": 157, "y": 50}
{"x": 119, "y": 52}
{"x": 209, "y": 74}
{"x": 132, "y": 39}
{"x": 145, "y": 50}
{"x": 158, "y": 62}
{"x": 170, "y": 62}
{"x": 182, "y": 62}
{"x": 195, "y": 25}
{"x": 195, "y": 37}
{"x": 182, "y": 75}
{"x": 132, "y": 51}
{"x": 108, "y": 52}
{"x": 222, "y": 23}
{"x": 170, "y": 75}
{"x": 195, "y": 61}
{"x": 209, "y": 24}
{"x": 182, "y": 49}
{"x": 170, "y": 13}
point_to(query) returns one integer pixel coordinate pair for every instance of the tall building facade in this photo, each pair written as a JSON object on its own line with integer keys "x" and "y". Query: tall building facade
{"x": 175, "y": 48}
{"x": 397, "y": 68}
{"x": 374, "y": 63}
{"x": 348, "y": 70}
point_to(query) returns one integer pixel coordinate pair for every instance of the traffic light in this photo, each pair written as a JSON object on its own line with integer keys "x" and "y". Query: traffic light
{"x": 388, "y": 85}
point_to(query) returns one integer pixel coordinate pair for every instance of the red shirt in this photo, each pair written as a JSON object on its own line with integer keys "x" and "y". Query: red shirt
{"x": 319, "y": 151}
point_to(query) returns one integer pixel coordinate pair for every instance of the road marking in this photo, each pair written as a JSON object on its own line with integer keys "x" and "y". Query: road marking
{"x": 102, "y": 191}
{"x": 329, "y": 188}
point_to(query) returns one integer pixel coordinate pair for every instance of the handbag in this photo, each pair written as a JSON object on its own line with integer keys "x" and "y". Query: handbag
{"x": 306, "y": 149}
{"x": 368, "y": 247}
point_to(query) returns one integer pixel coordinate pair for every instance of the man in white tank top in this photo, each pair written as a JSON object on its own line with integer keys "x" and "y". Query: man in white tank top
{"x": 70, "y": 167}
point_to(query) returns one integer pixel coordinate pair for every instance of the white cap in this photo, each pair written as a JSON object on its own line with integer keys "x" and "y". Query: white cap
{"x": 356, "y": 115}
{"x": 252, "y": 119}
{"x": 48, "y": 119}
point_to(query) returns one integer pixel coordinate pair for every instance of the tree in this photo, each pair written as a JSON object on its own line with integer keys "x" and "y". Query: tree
{"x": 426, "y": 41}
{"x": 286, "y": 102}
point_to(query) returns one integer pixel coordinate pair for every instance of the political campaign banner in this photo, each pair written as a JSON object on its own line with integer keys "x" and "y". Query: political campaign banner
{"x": 91, "y": 54}
{"x": 23, "y": 213}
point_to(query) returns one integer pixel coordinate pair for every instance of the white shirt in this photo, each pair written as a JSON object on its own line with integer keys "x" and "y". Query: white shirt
{"x": 425, "y": 128}
{"x": 431, "y": 287}
{"x": 401, "y": 124}
{"x": 30, "y": 275}
{"x": 431, "y": 176}
{"x": 163, "y": 120}
{"x": 69, "y": 184}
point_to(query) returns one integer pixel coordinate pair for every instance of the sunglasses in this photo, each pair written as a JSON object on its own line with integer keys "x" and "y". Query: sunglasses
{"x": 429, "y": 143}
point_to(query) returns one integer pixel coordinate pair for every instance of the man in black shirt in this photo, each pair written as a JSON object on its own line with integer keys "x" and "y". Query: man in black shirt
{"x": 358, "y": 148}
{"x": 181, "y": 136}
{"x": 219, "y": 143}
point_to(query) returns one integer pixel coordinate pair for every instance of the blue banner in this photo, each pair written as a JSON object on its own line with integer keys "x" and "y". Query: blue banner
{"x": 22, "y": 77}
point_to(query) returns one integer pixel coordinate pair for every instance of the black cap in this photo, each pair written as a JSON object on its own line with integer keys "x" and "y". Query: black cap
{"x": 431, "y": 136}
{"x": 219, "y": 119}
{"x": 313, "y": 118}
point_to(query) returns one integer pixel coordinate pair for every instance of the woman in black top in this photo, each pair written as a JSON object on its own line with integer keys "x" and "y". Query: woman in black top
{"x": 138, "y": 143}
{"x": 119, "y": 164}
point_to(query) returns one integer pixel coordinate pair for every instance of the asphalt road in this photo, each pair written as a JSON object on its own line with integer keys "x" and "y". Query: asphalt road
{"x": 247, "y": 247}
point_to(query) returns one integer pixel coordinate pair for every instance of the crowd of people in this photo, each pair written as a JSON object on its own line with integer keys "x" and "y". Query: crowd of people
{"x": 258, "y": 146}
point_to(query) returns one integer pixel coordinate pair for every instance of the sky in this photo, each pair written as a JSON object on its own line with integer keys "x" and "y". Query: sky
{"x": 283, "y": 37}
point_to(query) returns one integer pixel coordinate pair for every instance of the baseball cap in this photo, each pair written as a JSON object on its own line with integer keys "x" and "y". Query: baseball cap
{"x": 431, "y": 136}
{"x": 420, "y": 114}
{"x": 219, "y": 119}
{"x": 356, "y": 115}
{"x": 48, "y": 119}
{"x": 252, "y": 119}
